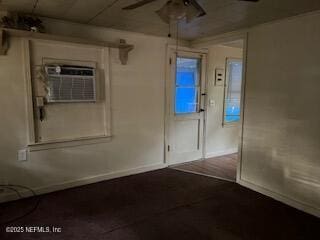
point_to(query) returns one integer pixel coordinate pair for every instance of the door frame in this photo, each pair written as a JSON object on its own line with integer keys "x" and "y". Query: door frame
{"x": 171, "y": 49}
{"x": 237, "y": 35}
{"x": 202, "y": 45}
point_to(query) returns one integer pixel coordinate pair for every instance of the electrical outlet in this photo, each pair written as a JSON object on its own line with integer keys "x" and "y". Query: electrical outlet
{"x": 22, "y": 155}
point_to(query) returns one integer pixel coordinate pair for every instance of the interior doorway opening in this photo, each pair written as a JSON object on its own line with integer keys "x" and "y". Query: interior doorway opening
{"x": 223, "y": 112}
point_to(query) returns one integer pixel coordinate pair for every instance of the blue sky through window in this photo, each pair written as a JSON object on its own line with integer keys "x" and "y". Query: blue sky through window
{"x": 186, "y": 94}
{"x": 233, "y": 91}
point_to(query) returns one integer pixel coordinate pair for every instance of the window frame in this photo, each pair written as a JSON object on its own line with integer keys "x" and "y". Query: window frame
{"x": 33, "y": 143}
{"x": 225, "y": 91}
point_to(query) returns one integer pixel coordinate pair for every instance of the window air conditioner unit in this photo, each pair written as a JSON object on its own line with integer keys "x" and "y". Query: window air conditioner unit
{"x": 68, "y": 83}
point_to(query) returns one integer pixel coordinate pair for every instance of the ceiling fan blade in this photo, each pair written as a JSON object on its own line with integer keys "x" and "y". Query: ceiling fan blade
{"x": 202, "y": 12}
{"x": 138, "y": 4}
{"x": 192, "y": 13}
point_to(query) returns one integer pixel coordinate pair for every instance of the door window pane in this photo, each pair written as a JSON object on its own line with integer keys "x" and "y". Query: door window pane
{"x": 186, "y": 99}
{"x": 187, "y": 85}
{"x": 233, "y": 91}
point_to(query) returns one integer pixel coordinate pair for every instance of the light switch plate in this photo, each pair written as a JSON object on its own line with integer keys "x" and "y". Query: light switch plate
{"x": 22, "y": 155}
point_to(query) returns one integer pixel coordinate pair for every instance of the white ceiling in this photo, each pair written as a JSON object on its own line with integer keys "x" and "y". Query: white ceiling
{"x": 222, "y": 15}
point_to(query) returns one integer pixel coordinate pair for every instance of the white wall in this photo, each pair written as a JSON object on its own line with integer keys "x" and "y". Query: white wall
{"x": 220, "y": 139}
{"x": 281, "y": 135}
{"x": 137, "y": 98}
{"x": 281, "y": 149}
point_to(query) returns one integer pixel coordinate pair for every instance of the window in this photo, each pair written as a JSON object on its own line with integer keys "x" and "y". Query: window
{"x": 187, "y": 85}
{"x": 232, "y": 91}
{"x": 64, "y": 123}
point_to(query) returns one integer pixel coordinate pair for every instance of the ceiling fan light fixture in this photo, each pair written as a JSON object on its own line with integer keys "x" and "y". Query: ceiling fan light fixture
{"x": 172, "y": 10}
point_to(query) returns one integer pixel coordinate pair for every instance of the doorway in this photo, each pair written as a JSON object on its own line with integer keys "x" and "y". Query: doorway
{"x": 219, "y": 109}
{"x": 186, "y": 79}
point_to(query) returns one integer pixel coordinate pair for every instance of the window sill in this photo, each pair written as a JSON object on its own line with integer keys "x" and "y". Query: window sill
{"x": 33, "y": 147}
{"x": 233, "y": 124}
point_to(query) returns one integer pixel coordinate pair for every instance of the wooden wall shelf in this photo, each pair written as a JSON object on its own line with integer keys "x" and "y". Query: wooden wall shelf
{"x": 5, "y": 33}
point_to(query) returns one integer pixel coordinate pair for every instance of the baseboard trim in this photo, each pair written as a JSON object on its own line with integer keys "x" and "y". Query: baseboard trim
{"x": 281, "y": 198}
{"x": 221, "y": 153}
{"x": 9, "y": 196}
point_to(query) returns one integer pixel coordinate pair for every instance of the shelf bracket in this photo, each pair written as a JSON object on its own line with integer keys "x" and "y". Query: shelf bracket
{"x": 124, "y": 50}
{"x": 4, "y": 42}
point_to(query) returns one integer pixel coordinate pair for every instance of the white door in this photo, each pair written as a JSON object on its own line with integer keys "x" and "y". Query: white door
{"x": 185, "y": 106}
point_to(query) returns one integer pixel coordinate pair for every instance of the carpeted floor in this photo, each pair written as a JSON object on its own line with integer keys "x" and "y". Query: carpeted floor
{"x": 165, "y": 204}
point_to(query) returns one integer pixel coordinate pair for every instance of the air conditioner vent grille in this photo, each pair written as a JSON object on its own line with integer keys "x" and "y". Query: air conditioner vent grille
{"x": 70, "y": 84}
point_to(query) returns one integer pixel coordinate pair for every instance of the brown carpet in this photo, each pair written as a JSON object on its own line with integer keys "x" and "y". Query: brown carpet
{"x": 165, "y": 204}
{"x": 224, "y": 167}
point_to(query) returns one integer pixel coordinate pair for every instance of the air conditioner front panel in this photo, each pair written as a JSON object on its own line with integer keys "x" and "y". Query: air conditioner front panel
{"x": 70, "y": 84}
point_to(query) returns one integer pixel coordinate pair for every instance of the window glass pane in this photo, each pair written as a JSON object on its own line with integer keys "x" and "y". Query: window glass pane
{"x": 187, "y": 71}
{"x": 185, "y": 78}
{"x": 233, "y": 91}
{"x": 187, "y": 81}
{"x": 186, "y": 99}
{"x": 232, "y": 111}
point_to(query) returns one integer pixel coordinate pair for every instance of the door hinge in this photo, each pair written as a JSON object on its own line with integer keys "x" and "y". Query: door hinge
{"x": 170, "y": 61}
{"x": 168, "y": 148}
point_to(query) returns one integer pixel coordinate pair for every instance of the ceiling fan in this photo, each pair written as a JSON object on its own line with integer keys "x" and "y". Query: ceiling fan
{"x": 177, "y": 9}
